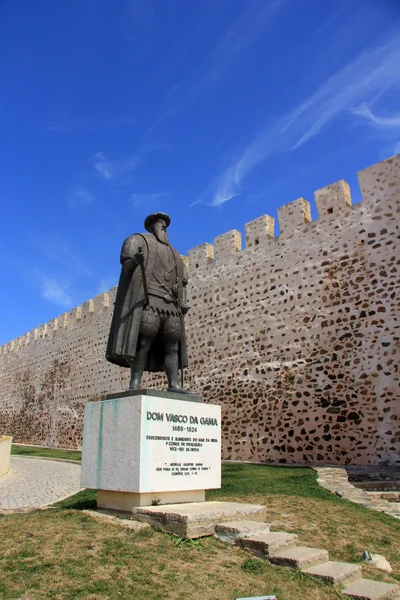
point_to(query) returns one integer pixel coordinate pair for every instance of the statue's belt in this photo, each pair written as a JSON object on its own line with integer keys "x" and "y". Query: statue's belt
{"x": 163, "y": 293}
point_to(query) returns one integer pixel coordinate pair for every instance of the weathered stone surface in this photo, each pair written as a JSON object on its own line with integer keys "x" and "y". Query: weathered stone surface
{"x": 116, "y": 518}
{"x": 5, "y": 453}
{"x": 381, "y": 563}
{"x": 366, "y": 589}
{"x": 335, "y": 572}
{"x": 265, "y": 544}
{"x": 231, "y": 531}
{"x": 299, "y": 557}
{"x": 294, "y": 336}
{"x": 197, "y": 519}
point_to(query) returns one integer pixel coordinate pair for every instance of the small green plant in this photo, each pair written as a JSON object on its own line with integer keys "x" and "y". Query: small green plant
{"x": 182, "y": 541}
{"x": 297, "y": 575}
{"x": 253, "y": 565}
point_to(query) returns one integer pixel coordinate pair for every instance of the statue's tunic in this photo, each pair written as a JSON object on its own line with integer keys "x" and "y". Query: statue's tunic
{"x": 165, "y": 276}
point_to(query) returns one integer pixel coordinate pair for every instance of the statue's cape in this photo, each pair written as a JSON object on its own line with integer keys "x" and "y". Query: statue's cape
{"x": 129, "y": 303}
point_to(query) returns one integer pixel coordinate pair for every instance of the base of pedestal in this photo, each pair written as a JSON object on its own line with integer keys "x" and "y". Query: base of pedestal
{"x": 126, "y": 501}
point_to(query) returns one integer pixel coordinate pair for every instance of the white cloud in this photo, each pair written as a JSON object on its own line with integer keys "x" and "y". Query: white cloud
{"x": 79, "y": 198}
{"x": 367, "y": 75}
{"x": 55, "y": 292}
{"x": 106, "y": 283}
{"x": 85, "y": 124}
{"x": 146, "y": 199}
{"x": 68, "y": 125}
{"x": 247, "y": 27}
{"x": 61, "y": 253}
{"x": 122, "y": 170}
{"x": 363, "y": 110}
{"x": 117, "y": 170}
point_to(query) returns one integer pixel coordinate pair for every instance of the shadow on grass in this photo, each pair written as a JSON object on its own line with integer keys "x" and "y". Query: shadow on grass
{"x": 242, "y": 479}
{"x": 79, "y": 501}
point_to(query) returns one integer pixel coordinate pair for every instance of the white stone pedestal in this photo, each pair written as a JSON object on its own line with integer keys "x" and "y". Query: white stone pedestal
{"x": 143, "y": 450}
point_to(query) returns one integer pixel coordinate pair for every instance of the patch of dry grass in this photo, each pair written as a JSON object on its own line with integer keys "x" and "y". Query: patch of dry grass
{"x": 64, "y": 555}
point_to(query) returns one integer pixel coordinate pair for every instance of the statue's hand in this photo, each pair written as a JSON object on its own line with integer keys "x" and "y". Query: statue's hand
{"x": 185, "y": 308}
{"x": 139, "y": 258}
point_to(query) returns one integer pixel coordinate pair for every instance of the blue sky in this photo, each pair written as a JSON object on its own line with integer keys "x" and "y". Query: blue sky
{"x": 215, "y": 111}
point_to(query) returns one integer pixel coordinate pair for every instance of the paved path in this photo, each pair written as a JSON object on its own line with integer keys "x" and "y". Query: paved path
{"x": 34, "y": 482}
{"x": 336, "y": 480}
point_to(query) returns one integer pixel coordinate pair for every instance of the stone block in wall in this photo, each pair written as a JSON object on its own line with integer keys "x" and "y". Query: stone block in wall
{"x": 259, "y": 230}
{"x": 200, "y": 256}
{"x": 381, "y": 182}
{"x": 88, "y": 308}
{"x": 332, "y": 199}
{"x": 100, "y": 302}
{"x": 228, "y": 245}
{"x": 292, "y": 215}
{"x": 185, "y": 260}
{"x": 76, "y": 314}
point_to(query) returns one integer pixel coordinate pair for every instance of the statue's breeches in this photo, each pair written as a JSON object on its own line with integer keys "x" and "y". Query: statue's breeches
{"x": 158, "y": 321}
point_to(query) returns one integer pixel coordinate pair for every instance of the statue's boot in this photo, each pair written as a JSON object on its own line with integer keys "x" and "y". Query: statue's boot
{"x": 134, "y": 383}
{"x": 139, "y": 363}
{"x": 137, "y": 369}
{"x": 171, "y": 366}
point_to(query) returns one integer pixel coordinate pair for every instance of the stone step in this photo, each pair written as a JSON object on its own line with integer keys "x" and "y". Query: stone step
{"x": 197, "y": 519}
{"x": 299, "y": 557}
{"x": 265, "y": 544}
{"x": 335, "y": 572}
{"x": 232, "y": 530}
{"x": 366, "y": 589}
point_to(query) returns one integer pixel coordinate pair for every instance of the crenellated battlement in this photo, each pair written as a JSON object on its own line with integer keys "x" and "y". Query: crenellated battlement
{"x": 66, "y": 320}
{"x": 259, "y": 231}
{"x": 332, "y": 201}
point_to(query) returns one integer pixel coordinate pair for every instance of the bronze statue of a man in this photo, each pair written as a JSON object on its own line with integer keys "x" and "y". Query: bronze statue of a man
{"x": 147, "y": 330}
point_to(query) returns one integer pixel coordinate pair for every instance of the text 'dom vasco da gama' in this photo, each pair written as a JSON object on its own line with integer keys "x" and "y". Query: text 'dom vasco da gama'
{"x": 185, "y": 443}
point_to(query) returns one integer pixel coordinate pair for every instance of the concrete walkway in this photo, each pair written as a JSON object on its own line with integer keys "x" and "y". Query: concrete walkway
{"x": 35, "y": 482}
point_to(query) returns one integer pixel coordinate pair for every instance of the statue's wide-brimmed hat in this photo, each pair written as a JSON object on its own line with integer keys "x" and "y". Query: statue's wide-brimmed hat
{"x": 148, "y": 222}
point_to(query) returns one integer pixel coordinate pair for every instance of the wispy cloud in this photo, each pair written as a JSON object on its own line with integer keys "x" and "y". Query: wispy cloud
{"x": 387, "y": 126}
{"x": 106, "y": 283}
{"x": 67, "y": 125}
{"x": 121, "y": 171}
{"x": 244, "y": 31}
{"x": 61, "y": 253}
{"x": 386, "y": 122}
{"x": 149, "y": 199}
{"x": 115, "y": 170}
{"x": 86, "y": 124}
{"x": 79, "y": 198}
{"x": 367, "y": 75}
{"x": 55, "y": 291}
{"x": 136, "y": 14}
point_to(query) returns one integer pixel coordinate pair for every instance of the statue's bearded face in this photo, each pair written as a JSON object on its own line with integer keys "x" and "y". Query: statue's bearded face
{"x": 160, "y": 231}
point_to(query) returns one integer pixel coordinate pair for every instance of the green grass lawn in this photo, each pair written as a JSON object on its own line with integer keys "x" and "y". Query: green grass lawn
{"x": 39, "y": 452}
{"x": 62, "y": 553}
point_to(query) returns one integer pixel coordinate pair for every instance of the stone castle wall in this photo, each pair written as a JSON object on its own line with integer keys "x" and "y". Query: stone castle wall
{"x": 296, "y": 336}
